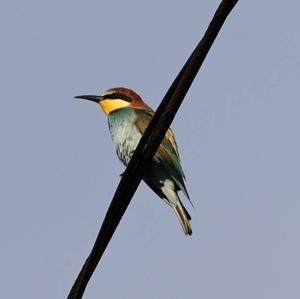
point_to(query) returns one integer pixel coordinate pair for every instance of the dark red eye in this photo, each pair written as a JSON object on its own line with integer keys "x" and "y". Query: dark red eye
{"x": 119, "y": 96}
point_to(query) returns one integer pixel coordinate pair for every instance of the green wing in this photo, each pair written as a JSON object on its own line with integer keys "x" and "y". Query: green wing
{"x": 167, "y": 152}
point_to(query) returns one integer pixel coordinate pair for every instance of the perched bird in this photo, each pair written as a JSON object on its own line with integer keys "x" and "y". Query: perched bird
{"x": 128, "y": 118}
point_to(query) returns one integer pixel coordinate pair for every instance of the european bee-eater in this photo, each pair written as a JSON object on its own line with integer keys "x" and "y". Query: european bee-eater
{"x": 128, "y": 117}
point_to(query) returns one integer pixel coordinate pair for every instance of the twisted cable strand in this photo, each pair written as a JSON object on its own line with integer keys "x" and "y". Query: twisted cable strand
{"x": 147, "y": 147}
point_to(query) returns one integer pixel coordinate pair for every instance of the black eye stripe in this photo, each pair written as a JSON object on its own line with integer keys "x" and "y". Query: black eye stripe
{"x": 117, "y": 95}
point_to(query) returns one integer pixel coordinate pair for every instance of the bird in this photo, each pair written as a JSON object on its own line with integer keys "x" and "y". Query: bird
{"x": 128, "y": 117}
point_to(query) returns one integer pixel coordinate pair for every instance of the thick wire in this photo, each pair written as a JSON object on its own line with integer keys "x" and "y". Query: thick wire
{"x": 148, "y": 145}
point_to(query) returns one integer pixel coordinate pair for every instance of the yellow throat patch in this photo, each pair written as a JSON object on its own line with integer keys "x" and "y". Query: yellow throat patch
{"x": 109, "y": 106}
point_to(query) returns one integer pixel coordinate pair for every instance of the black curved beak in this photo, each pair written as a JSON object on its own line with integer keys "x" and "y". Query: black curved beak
{"x": 96, "y": 99}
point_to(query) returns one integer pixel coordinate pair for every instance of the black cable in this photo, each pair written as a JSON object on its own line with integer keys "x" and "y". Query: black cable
{"x": 148, "y": 145}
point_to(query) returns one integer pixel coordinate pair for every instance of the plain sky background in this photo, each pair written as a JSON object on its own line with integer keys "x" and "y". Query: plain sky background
{"x": 238, "y": 135}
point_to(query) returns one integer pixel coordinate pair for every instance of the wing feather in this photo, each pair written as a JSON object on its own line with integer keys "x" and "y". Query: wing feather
{"x": 167, "y": 152}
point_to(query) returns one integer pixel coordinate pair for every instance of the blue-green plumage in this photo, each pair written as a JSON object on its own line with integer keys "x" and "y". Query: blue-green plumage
{"x": 164, "y": 175}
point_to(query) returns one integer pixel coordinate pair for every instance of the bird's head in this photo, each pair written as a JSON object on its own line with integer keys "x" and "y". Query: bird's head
{"x": 116, "y": 98}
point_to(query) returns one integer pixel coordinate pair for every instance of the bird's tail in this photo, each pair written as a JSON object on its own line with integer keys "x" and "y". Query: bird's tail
{"x": 183, "y": 217}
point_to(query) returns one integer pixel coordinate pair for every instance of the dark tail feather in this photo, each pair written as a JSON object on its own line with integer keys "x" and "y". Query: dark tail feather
{"x": 183, "y": 217}
{"x": 187, "y": 213}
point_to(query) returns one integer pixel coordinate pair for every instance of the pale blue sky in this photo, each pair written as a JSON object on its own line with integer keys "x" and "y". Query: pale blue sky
{"x": 238, "y": 135}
